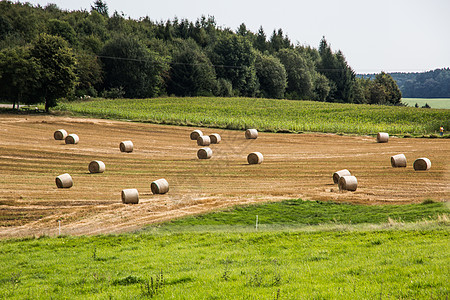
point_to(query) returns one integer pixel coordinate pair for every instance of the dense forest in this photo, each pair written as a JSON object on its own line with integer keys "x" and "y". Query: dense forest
{"x": 431, "y": 84}
{"x": 47, "y": 53}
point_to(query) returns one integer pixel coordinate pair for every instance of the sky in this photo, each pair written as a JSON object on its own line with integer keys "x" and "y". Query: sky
{"x": 374, "y": 35}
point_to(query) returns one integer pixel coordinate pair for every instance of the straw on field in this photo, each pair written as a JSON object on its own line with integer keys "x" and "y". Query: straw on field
{"x": 204, "y": 153}
{"x": 160, "y": 186}
{"x": 422, "y": 164}
{"x": 398, "y": 161}
{"x": 382, "y": 137}
{"x": 60, "y": 134}
{"x": 255, "y": 158}
{"x": 251, "y": 134}
{"x": 195, "y": 134}
{"x": 130, "y": 196}
{"x": 96, "y": 166}
{"x": 72, "y": 139}
{"x": 215, "y": 138}
{"x": 348, "y": 183}
{"x": 339, "y": 174}
{"x": 203, "y": 140}
{"x": 126, "y": 146}
{"x": 64, "y": 181}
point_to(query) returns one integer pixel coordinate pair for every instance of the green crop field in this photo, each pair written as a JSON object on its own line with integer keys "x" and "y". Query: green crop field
{"x": 268, "y": 115}
{"x": 442, "y": 103}
{"x": 379, "y": 260}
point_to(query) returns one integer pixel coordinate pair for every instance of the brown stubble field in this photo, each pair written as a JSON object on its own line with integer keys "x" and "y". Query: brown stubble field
{"x": 295, "y": 166}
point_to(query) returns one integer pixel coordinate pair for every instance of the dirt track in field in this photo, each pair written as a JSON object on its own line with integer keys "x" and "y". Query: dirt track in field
{"x": 295, "y": 166}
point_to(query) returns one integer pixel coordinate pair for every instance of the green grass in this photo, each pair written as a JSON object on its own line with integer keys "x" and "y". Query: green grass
{"x": 442, "y": 103}
{"x": 378, "y": 261}
{"x": 299, "y": 212}
{"x": 267, "y": 114}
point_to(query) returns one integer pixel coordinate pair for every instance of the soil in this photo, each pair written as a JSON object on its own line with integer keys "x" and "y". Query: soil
{"x": 295, "y": 166}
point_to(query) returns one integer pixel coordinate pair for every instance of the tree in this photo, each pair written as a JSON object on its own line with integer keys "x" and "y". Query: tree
{"x": 18, "y": 75}
{"x": 234, "y": 58}
{"x": 260, "y": 42}
{"x": 336, "y": 69}
{"x": 62, "y": 29}
{"x": 191, "y": 73}
{"x": 271, "y": 75}
{"x": 57, "y": 68}
{"x": 129, "y": 64}
{"x": 392, "y": 92}
{"x": 100, "y": 7}
{"x": 299, "y": 77}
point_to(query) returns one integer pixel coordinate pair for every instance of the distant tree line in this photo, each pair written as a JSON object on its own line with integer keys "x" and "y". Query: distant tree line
{"x": 431, "y": 84}
{"x": 47, "y": 53}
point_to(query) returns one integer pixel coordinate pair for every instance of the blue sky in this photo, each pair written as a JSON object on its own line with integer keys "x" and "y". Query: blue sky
{"x": 382, "y": 35}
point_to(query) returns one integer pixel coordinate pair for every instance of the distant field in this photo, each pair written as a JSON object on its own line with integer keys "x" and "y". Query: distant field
{"x": 433, "y": 103}
{"x": 268, "y": 114}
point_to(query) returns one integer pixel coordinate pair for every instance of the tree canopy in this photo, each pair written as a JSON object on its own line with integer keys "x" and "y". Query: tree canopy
{"x": 99, "y": 52}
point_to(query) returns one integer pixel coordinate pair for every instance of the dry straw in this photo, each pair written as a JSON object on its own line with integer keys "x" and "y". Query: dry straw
{"x": 348, "y": 183}
{"x": 64, "y": 181}
{"x": 126, "y": 146}
{"x": 72, "y": 139}
{"x": 398, "y": 161}
{"x": 215, "y": 138}
{"x": 160, "y": 186}
{"x": 204, "y": 153}
{"x": 203, "y": 140}
{"x": 422, "y": 164}
{"x": 60, "y": 134}
{"x": 251, "y": 134}
{"x": 195, "y": 134}
{"x": 96, "y": 166}
{"x": 255, "y": 158}
{"x": 130, "y": 196}
{"x": 339, "y": 174}
{"x": 382, "y": 137}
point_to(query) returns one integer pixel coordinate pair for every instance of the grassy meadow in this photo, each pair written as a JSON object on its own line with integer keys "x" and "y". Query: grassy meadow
{"x": 441, "y": 103}
{"x": 267, "y": 114}
{"x": 333, "y": 260}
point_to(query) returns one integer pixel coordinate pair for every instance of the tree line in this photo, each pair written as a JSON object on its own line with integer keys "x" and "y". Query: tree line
{"x": 47, "y": 53}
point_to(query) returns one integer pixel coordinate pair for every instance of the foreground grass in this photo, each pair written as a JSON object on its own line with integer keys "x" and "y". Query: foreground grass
{"x": 378, "y": 260}
{"x": 441, "y": 103}
{"x": 268, "y": 114}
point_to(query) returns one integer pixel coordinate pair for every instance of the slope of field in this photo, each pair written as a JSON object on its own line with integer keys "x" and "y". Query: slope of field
{"x": 295, "y": 166}
{"x": 268, "y": 114}
{"x": 441, "y": 103}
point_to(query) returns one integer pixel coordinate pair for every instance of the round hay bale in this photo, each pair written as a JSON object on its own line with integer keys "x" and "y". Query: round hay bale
{"x": 203, "y": 140}
{"x": 60, "y": 134}
{"x": 251, "y": 134}
{"x": 339, "y": 174}
{"x": 160, "y": 186}
{"x": 130, "y": 196}
{"x": 215, "y": 138}
{"x": 422, "y": 164}
{"x": 126, "y": 146}
{"x": 72, "y": 139}
{"x": 382, "y": 137}
{"x": 96, "y": 166}
{"x": 348, "y": 183}
{"x": 398, "y": 161}
{"x": 195, "y": 134}
{"x": 255, "y": 158}
{"x": 204, "y": 153}
{"x": 64, "y": 181}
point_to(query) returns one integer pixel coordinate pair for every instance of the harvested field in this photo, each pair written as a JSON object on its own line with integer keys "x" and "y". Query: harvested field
{"x": 295, "y": 166}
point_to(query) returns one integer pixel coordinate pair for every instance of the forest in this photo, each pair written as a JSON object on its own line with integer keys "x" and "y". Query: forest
{"x": 47, "y": 53}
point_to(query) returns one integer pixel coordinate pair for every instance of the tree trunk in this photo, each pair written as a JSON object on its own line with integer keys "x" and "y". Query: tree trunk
{"x": 47, "y": 108}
